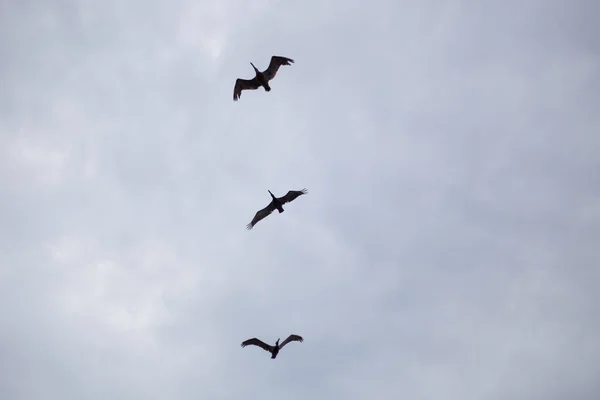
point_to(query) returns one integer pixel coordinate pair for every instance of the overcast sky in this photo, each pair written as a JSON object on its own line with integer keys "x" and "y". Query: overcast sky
{"x": 447, "y": 247}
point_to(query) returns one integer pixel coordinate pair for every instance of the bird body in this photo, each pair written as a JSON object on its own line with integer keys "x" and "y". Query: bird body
{"x": 261, "y": 78}
{"x": 275, "y": 204}
{"x": 274, "y": 350}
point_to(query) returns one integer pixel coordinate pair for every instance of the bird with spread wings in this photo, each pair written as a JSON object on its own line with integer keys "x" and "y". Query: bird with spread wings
{"x": 274, "y": 350}
{"x": 275, "y": 204}
{"x": 261, "y": 78}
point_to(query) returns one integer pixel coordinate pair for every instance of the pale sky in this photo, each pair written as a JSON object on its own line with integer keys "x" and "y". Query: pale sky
{"x": 447, "y": 247}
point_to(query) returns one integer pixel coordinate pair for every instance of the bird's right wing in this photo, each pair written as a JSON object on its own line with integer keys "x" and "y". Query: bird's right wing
{"x": 276, "y": 62}
{"x": 261, "y": 214}
{"x": 259, "y": 343}
{"x": 291, "y": 338}
{"x": 291, "y": 195}
{"x": 244, "y": 84}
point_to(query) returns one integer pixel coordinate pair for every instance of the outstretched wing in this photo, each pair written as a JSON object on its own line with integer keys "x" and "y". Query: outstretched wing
{"x": 244, "y": 84}
{"x": 291, "y": 195}
{"x": 276, "y": 62}
{"x": 261, "y": 214}
{"x": 259, "y": 343}
{"x": 291, "y": 338}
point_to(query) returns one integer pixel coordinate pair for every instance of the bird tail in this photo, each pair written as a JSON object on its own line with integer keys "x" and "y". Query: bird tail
{"x": 280, "y": 209}
{"x": 267, "y": 88}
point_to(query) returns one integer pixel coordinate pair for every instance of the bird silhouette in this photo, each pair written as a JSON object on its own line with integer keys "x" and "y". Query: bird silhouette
{"x": 274, "y": 350}
{"x": 261, "y": 78}
{"x": 275, "y": 204}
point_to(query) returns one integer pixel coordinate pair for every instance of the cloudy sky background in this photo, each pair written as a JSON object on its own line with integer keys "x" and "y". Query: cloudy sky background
{"x": 447, "y": 247}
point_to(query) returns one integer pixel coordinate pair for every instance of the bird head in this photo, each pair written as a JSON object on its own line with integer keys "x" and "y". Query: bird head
{"x": 271, "y": 193}
{"x": 254, "y": 67}
{"x": 277, "y": 342}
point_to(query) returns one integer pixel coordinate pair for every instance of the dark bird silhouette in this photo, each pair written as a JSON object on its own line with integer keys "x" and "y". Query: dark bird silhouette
{"x": 261, "y": 78}
{"x": 275, "y": 204}
{"x": 274, "y": 350}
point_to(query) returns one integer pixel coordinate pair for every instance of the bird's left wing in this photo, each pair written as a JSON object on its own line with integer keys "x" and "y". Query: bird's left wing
{"x": 292, "y": 195}
{"x": 265, "y": 212}
{"x": 276, "y": 62}
{"x": 291, "y": 338}
{"x": 244, "y": 84}
{"x": 257, "y": 342}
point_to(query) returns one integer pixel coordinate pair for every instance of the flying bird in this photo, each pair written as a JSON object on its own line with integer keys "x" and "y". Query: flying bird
{"x": 274, "y": 350}
{"x": 261, "y": 78}
{"x": 275, "y": 204}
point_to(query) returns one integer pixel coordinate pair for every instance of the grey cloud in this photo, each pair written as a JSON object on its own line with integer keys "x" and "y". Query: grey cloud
{"x": 446, "y": 247}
